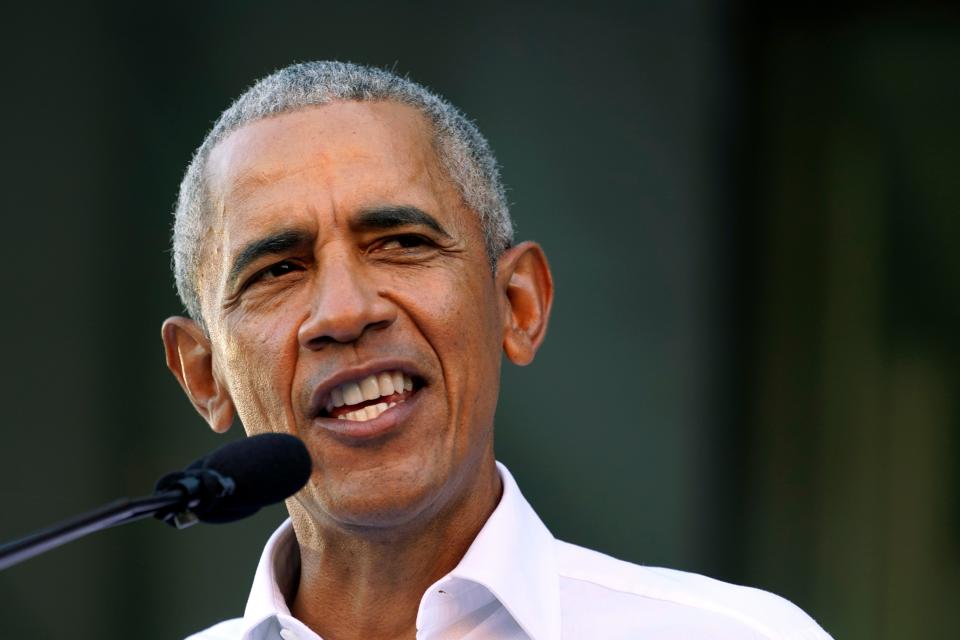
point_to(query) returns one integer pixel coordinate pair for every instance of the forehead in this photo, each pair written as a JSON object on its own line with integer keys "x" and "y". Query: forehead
{"x": 360, "y": 145}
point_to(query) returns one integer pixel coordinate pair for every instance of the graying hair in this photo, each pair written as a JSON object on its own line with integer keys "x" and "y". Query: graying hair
{"x": 460, "y": 146}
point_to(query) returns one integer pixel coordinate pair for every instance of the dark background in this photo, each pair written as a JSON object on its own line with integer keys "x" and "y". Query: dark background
{"x": 752, "y": 217}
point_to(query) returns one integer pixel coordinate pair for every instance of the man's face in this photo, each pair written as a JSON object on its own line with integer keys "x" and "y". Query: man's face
{"x": 343, "y": 253}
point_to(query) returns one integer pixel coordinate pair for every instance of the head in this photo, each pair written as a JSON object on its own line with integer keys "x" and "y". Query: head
{"x": 342, "y": 234}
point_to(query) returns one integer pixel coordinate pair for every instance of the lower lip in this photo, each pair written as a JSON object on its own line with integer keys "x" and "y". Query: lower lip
{"x": 357, "y": 432}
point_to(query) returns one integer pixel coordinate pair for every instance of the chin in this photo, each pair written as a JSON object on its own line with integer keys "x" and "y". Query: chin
{"x": 381, "y": 500}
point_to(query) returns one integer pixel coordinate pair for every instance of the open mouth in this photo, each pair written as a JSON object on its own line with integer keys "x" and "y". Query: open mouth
{"x": 362, "y": 400}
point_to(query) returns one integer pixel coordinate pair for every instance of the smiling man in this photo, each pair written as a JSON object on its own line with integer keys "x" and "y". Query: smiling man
{"x": 344, "y": 250}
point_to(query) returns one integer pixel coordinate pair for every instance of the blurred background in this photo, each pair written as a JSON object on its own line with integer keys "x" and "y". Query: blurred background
{"x": 753, "y": 365}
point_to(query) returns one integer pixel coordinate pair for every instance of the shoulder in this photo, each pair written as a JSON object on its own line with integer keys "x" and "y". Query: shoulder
{"x": 226, "y": 630}
{"x": 668, "y": 598}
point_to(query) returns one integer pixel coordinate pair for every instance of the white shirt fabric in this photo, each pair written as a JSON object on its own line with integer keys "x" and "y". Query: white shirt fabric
{"x": 517, "y": 582}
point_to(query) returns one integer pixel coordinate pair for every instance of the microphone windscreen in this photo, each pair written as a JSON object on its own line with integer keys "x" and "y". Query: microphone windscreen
{"x": 266, "y": 468}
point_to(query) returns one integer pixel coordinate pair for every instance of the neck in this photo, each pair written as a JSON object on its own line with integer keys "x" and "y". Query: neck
{"x": 369, "y": 585}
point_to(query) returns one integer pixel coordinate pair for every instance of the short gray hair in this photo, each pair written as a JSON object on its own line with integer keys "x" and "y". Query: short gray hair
{"x": 460, "y": 146}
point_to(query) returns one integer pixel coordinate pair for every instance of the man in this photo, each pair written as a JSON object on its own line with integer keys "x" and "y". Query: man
{"x": 343, "y": 247}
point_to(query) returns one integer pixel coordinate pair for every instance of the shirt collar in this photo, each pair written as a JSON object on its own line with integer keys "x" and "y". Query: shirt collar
{"x": 513, "y": 557}
{"x": 276, "y": 573}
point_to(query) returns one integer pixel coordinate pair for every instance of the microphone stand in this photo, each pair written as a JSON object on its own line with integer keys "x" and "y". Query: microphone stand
{"x": 109, "y": 515}
{"x": 278, "y": 464}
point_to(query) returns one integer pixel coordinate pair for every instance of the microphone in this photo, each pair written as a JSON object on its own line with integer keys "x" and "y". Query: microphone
{"x": 233, "y": 482}
{"x": 236, "y": 480}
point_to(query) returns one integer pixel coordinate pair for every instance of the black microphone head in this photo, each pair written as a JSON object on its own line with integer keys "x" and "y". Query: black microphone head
{"x": 264, "y": 469}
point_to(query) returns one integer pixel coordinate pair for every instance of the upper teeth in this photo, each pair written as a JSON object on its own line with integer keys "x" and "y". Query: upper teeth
{"x": 374, "y": 386}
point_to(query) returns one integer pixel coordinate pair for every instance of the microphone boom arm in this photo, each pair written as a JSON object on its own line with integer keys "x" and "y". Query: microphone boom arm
{"x": 231, "y": 483}
{"x": 112, "y": 514}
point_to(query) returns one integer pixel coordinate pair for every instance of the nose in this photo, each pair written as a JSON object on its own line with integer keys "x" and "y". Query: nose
{"x": 347, "y": 303}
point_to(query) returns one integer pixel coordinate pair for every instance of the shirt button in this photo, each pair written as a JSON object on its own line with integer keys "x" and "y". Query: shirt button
{"x": 287, "y": 634}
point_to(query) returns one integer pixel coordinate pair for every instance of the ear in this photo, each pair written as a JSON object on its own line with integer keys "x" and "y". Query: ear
{"x": 190, "y": 359}
{"x": 523, "y": 278}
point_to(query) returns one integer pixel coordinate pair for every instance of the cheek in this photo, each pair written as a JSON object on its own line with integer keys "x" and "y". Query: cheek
{"x": 260, "y": 367}
{"x": 456, "y": 311}
{"x": 458, "y": 316}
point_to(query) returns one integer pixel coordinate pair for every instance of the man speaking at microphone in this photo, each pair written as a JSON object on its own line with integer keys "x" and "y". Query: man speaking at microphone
{"x": 343, "y": 247}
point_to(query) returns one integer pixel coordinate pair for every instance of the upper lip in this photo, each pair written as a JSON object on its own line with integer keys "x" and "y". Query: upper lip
{"x": 318, "y": 399}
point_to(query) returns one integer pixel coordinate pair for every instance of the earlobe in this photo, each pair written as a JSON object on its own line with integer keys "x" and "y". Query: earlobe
{"x": 190, "y": 360}
{"x": 523, "y": 276}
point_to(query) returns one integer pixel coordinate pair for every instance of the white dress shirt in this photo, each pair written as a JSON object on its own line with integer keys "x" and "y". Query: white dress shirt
{"x": 517, "y": 581}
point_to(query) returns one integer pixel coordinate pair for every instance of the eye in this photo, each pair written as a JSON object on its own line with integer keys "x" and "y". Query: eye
{"x": 274, "y": 271}
{"x": 404, "y": 241}
{"x": 279, "y": 269}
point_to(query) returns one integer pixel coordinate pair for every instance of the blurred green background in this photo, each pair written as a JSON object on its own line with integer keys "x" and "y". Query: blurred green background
{"x": 752, "y": 370}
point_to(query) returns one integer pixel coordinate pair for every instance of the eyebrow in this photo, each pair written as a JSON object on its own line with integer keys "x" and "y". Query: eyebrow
{"x": 386, "y": 217}
{"x": 392, "y": 216}
{"x": 275, "y": 243}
